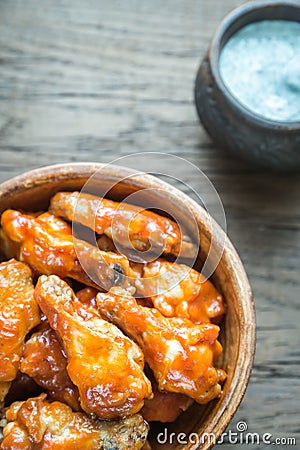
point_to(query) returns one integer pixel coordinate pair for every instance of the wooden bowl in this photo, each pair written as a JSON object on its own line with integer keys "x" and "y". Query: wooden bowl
{"x": 253, "y": 138}
{"x": 33, "y": 190}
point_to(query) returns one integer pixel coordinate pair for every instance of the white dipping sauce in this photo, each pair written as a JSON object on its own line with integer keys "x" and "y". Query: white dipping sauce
{"x": 260, "y": 66}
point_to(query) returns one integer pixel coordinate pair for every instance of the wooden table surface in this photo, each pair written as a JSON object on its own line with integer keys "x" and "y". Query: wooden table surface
{"x": 95, "y": 80}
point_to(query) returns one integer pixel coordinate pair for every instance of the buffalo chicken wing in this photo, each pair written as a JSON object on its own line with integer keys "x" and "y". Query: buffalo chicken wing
{"x": 126, "y": 224}
{"x": 19, "y": 313}
{"x": 46, "y": 243}
{"x": 180, "y": 353}
{"x": 176, "y": 290}
{"x": 38, "y": 424}
{"x": 105, "y": 365}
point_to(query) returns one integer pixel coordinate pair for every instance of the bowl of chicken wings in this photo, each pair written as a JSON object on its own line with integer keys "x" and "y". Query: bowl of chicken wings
{"x": 111, "y": 337}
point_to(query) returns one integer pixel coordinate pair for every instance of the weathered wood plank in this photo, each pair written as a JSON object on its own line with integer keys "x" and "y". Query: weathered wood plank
{"x": 92, "y": 81}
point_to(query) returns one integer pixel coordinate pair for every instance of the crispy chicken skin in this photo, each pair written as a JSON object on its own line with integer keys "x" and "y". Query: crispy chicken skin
{"x": 127, "y": 224}
{"x": 19, "y": 313}
{"x": 47, "y": 245}
{"x": 179, "y": 352}
{"x": 106, "y": 366}
{"x": 45, "y": 362}
{"x": 38, "y": 424}
{"x": 176, "y": 290}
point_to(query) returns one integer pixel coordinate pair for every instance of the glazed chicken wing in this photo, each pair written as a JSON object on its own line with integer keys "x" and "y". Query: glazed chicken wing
{"x": 19, "y": 313}
{"x": 47, "y": 245}
{"x": 45, "y": 362}
{"x": 176, "y": 290}
{"x": 126, "y": 224}
{"x": 37, "y": 424}
{"x": 179, "y": 352}
{"x": 106, "y": 366}
{"x": 164, "y": 406}
{"x": 87, "y": 296}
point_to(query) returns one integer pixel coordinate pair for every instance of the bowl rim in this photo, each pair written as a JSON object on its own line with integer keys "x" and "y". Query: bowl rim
{"x": 215, "y": 49}
{"x": 247, "y": 338}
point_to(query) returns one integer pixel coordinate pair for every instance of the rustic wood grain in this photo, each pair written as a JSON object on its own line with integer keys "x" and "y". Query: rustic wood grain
{"x": 95, "y": 80}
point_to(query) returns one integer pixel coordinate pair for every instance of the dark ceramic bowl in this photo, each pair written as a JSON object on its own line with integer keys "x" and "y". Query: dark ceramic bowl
{"x": 266, "y": 143}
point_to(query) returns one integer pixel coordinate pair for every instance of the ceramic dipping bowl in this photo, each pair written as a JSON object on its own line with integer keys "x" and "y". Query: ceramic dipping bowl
{"x": 266, "y": 143}
{"x": 32, "y": 192}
